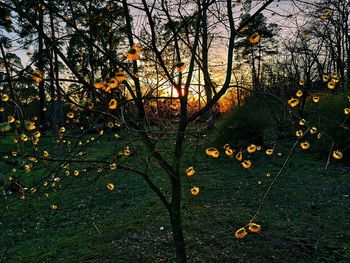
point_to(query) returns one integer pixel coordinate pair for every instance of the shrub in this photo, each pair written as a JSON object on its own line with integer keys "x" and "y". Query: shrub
{"x": 260, "y": 120}
{"x": 328, "y": 116}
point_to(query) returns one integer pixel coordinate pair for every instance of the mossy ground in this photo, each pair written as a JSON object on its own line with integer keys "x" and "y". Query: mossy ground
{"x": 305, "y": 217}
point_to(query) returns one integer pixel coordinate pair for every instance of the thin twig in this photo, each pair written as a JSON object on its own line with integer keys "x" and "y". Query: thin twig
{"x": 274, "y": 180}
{"x": 97, "y": 229}
{"x": 329, "y": 156}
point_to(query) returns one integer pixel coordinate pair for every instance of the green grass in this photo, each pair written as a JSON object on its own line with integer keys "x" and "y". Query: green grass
{"x": 305, "y": 218}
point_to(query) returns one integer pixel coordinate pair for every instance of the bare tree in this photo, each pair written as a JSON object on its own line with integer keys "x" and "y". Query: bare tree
{"x": 179, "y": 74}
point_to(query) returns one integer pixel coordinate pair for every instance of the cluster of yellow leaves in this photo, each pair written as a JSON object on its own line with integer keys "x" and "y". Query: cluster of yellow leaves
{"x": 313, "y": 130}
{"x": 112, "y": 83}
{"x": 190, "y": 171}
{"x": 242, "y": 232}
{"x": 250, "y": 149}
{"x": 331, "y": 80}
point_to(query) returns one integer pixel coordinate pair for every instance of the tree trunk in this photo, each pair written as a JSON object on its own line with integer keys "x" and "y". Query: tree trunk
{"x": 205, "y": 46}
{"x": 54, "y": 108}
{"x": 42, "y": 114}
{"x": 178, "y": 237}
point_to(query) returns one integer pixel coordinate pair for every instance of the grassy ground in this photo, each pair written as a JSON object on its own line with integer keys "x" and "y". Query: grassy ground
{"x": 305, "y": 218}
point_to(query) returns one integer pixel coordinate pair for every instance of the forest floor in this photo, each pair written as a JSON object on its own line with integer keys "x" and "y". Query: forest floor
{"x": 306, "y": 217}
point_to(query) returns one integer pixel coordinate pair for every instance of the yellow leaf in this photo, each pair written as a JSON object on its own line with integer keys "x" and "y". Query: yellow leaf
{"x": 313, "y": 130}
{"x": 195, "y": 190}
{"x": 110, "y": 186}
{"x": 302, "y": 122}
{"x": 24, "y": 137}
{"x": 299, "y": 93}
{"x": 315, "y": 99}
{"x": 5, "y": 97}
{"x": 269, "y": 151}
{"x": 305, "y": 145}
{"x": 293, "y": 102}
{"x": 241, "y": 233}
{"x": 325, "y": 78}
{"x": 30, "y": 126}
{"x": 239, "y": 156}
{"x": 10, "y": 119}
{"x": 190, "y": 171}
{"x": 134, "y": 52}
{"x": 246, "y": 164}
{"x": 113, "y": 104}
{"x": 213, "y": 152}
{"x": 337, "y": 154}
{"x": 113, "y": 166}
{"x": 70, "y": 115}
{"x": 251, "y": 148}
{"x": 254, "y": 39}
{"x": 331, "y": 85}
{"x": 255, "y": 228}
{"x": 229, "y": 152}
{"x": 299, "y": 133}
